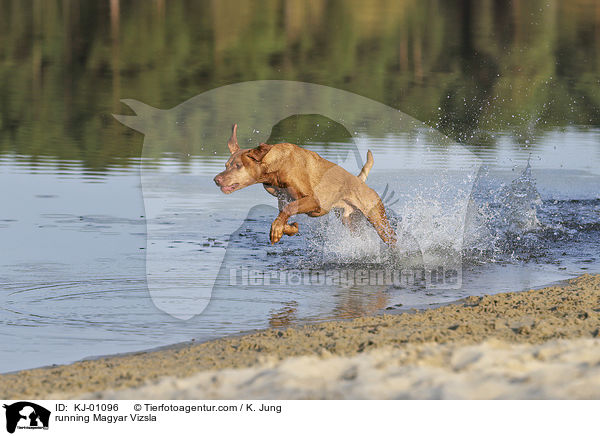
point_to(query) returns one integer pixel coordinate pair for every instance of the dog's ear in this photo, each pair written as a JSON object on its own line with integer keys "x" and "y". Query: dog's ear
{"x": 232, "y": 143}
{"x": 257, "y": 154}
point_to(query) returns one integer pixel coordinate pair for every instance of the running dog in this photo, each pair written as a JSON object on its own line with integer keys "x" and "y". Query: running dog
{"x": 304, "y": 182}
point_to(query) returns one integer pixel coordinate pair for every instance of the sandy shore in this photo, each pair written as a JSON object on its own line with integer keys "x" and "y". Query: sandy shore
{"x": 535, "y": 344}
{"x": 490, "y": 370}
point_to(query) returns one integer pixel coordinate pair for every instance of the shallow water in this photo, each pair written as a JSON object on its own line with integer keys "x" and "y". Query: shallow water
{"x": 80, "y": 289}
{"x": 515, "y": 82}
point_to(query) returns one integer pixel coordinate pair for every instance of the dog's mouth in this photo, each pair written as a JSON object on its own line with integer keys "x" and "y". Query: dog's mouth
{"x": 230, "y": 188}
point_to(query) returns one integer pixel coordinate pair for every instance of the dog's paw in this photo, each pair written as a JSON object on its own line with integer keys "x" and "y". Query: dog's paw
{"x": 290, "y": 229}
{"x": 277, "y": 229}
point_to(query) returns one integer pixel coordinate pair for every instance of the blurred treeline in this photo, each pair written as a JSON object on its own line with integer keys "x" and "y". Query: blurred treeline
{"x": 472, "y": 68}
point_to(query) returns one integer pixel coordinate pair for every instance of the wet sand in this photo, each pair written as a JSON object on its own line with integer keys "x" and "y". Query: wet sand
{"x": 534, "y": 344}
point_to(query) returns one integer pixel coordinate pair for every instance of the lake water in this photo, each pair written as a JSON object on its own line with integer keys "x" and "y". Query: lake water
{"x": 73, "y": 265}
{"x": 515, "y": 84}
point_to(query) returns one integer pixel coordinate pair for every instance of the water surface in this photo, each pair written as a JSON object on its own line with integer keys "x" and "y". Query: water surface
{"x": 514, "y": 82}
{"x": 73, "y": 268}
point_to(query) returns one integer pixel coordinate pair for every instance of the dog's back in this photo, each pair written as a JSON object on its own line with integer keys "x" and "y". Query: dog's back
{"x": 310, "y": 174}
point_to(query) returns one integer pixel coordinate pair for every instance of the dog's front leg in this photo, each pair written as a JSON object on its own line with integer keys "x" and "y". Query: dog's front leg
{"x": 280, "y": 225}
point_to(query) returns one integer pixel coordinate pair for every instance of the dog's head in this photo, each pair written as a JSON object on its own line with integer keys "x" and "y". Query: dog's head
{"x": 243, "y": 167}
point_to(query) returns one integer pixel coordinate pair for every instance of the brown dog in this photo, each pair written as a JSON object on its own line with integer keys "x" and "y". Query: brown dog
{"x": 304, "y": 182}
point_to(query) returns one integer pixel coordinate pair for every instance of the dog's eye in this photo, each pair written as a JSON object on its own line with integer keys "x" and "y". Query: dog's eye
{"x": 238, "y": 166}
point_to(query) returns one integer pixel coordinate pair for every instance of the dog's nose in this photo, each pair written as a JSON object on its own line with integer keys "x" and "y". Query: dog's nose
{"x": 218, "y": 179}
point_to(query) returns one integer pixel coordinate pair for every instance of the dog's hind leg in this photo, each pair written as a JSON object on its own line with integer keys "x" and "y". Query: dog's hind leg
{"x": 374, "y": 211}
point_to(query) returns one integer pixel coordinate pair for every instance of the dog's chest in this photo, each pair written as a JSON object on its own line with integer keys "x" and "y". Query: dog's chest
{"x": 281, "y": 193}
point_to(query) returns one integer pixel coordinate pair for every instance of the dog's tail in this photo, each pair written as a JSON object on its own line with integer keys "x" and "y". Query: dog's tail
{"x": 364, "y": 173}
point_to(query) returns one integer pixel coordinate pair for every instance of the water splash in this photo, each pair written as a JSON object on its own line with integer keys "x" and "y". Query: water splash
{"x": 433, "y": 228}
{"x": 519, "y": 203}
